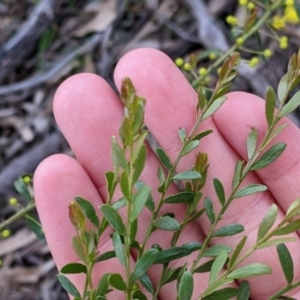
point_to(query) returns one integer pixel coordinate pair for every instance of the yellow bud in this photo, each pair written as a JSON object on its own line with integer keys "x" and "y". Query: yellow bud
{"x": 253, "y": 62}
{"x": 251, "y": 5}
{"x": 240, "y": 41}
{"x": 26, "y": 179}
{"x": 187, "y": 66}
{"x": 268, "y": 53}
{"x": 243, "y": 2}
{"x": 212, "y": 56}
{"x": 13, "y": 201}
{"x": 76, "y": 215}
{"x": 231, "y": 20}
{"x": 5, "y": 233}
{"x": 179, "y": 61}
{"x": 278, "y": 22}
{"x": 202, "y": 71}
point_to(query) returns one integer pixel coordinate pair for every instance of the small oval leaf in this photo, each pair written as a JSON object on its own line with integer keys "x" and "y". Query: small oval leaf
{"x": 286, "y": 262}
{"x": 187, "y": 175}
{"x": 217, "y": 266}
{"x": 250, "y": 270}
{"x": 267, "y": 222}
{"x": 186, "y": 286}
{"x": 228, "y": 230}
{"x": 88, "y": 210}
{"x": 73, "y": 268}
{"x": 250, "y": 189}
{"x": 113, "y": 218}
{"x": 166, "y": 223}
{"x": 68, "y": 285}
{"x": 163, "y": 157}
{"x": 219, "y": 190}
{"x": 182, "y": 197}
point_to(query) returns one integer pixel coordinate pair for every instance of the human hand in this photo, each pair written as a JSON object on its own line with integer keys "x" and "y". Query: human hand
{"x": 89, "y": 113}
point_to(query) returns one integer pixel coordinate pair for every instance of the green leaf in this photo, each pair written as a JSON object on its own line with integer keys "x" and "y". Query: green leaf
{"x": 139, "y": 295}
{"x": 109, "y": 177}
{"x": 283, "y": 87}
{"x": 139, "y": 163}
{"x": 139, "y": 201}
{"x": 186, "y": 286}
{"x": 189, "y": 147}
{"x": 250, "y": 270}
{"x": 293, "y": 103}
{"x": 250, "y": 189}
{"x": 22, "y": 189}
{"x": 118, "y": 156}
{"x": 143, "y": 264}
{"x": 119, "y": 203}
{"x": 294, "y": 208}
{"x": 237, "y": 173}
{"x": 88, "y": 210}
{"x": 187, "y": 175}
{"x": 68, "y": 285}
{"x": 219, "y": 190}
{"x": 116, "y": 281}
{"x": 206, "y": 267}
{"x": 139, "y": 145}
{"x": 149, "y": 203}
{"x": 35, "y": 226}
{"x": 267, "y": 222}
{"x": 103, "y": 284}
{"x": 215, "y": 250}
{"x": 274, "y": 242}
{"x": 133, "y": 232}
{"x": 270, "y": 105}
{"x": 236, "y": 252}
{"x": 166, "y": 223}
{"x": 269, "y": 156}
{"x": 77, "y": 246}
{"x": 290, "y": 228}
{"x": 201, "y": 97}
{"x": 251, "y": 142}
{"x": 195, "y": 202}
{"x": 223, "y": 294}
{"x": 165, "y": 256}
{"x": 182, "y": 197}
{"x": 118, "y": 247}
{"x": 286, "y": 262}
{"x": 228, "y": 230}
{"x": 209, "y": 209}
{"x": 73, "y": 268}
{"x": 113, "y": 218}
{"x": 163, "y": 157}
{"x": 182, "y": 134}
{"x": 124, "y": 184}
{"x": 214, "y": 107}
{"x": 138, "y": 119}
{"x": 244, "y": 291}
{"x": 146, "y": 282}
{"x": 276, "y": 131}
{"x": 201, "y": 135}
{"x": 217, "y": 266}
{"x": 197, "y": 215}
{"x": 105, "y": 256}
{"x": 171, "y": 275}
{"x": 192, "y": 246}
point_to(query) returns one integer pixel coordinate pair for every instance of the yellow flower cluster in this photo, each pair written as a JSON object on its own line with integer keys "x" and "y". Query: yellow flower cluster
{"x": 5, "y": 233}
{"x": 290, "y": 16}
{"x": 283, "y": 42}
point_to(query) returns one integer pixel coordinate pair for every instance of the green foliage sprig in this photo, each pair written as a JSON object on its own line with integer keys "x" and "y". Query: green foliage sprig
{"x": 129, "y": 157}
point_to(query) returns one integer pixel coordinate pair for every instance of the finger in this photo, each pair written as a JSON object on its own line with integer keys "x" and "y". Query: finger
{"x": 57, "y": 180}
{"x": 282, "y": 176}
{"x": 170, "y": 105}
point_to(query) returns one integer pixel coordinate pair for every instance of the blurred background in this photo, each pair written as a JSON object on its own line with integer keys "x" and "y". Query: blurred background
{"x": 44, "y": 42}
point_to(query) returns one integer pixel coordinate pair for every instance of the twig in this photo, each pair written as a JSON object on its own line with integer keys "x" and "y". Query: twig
{"x": 51, "y": 74}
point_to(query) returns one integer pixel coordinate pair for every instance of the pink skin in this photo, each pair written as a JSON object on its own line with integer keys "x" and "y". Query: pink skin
{"x": 89, "y": 113}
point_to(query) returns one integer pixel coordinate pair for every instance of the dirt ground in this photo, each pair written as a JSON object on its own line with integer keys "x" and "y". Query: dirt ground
{"x": 44, "y": 42}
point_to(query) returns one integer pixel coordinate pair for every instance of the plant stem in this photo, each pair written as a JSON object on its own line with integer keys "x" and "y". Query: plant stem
{"x": 285, "y": 289}
{"x": 21, "y": 213}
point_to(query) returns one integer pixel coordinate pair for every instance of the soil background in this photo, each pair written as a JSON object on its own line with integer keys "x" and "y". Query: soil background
{"x": 44, "y": 42}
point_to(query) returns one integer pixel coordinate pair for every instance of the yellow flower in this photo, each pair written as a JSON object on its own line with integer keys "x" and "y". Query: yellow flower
{"x": 202, "y": 71}
{"x": 179, "y": 61}
{"x": 13, "y": 201}
{"x": 243, "y": 2}
{"x": 278, "y": 22}
{"x": 268, "y": 53}
{"x": 231, "y": 20}
{"x": 291, "y": 15}
{"x": 240, "y": 41}
{"x": 187, "y": 66}
{"x": 5, "y": 233}
{"x": 250, "y": 5}
{"x": 253, "y": 62}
